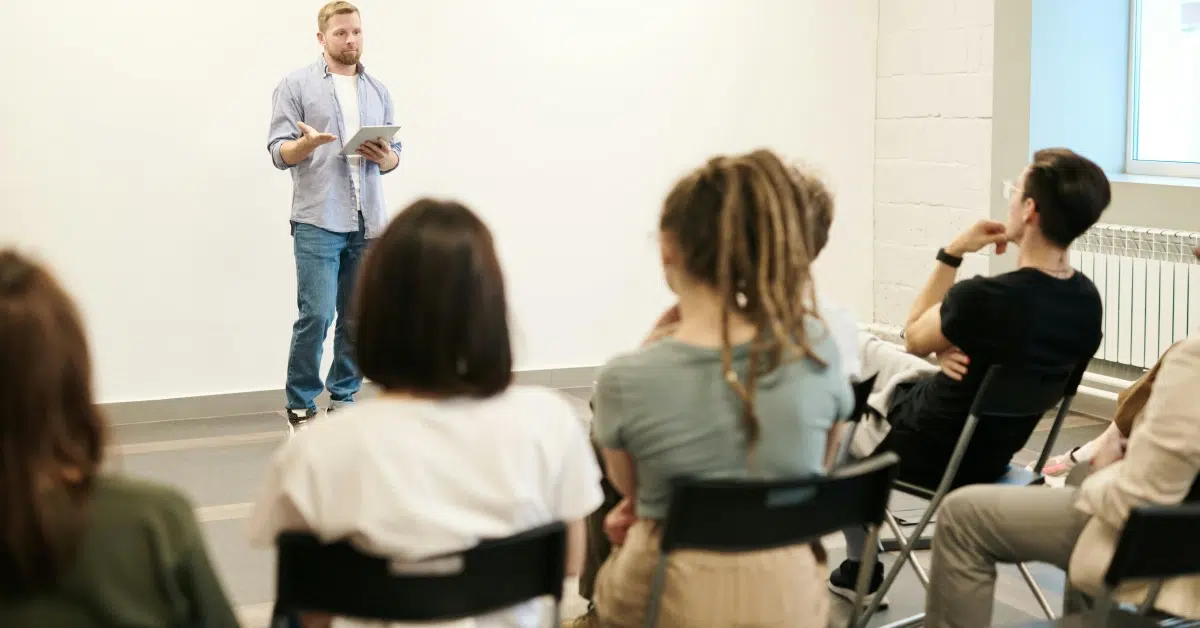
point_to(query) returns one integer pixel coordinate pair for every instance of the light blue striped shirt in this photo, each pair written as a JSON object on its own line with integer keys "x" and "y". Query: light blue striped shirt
{"x": 322, "y": 190}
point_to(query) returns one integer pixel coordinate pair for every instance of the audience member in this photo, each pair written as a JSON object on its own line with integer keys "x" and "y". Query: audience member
{"x": 81, "y": 548}
{"x": 1075, "y": 528}
{"x": 1044, "y": 313}
{"x": 451, "y": 453}
{"x": 746, "y": 384}
{"x": 842, "y": 326}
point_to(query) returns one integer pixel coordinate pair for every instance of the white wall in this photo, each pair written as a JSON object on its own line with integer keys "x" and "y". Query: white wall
{"x": 933, "y": 140}
{"x": 135, "y": 161}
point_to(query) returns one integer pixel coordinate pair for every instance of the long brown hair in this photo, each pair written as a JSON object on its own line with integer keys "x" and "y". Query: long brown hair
{"x": 51, "y": 434}
{"x": 746, "y": 225}
{"x": 431, "y": 316}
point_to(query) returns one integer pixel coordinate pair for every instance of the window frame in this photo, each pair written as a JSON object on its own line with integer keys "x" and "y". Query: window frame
{"x": 1181, "y": 169}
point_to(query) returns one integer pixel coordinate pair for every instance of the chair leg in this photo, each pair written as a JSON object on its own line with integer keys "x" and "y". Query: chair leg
{"x": 1037, "y": 591}
{"x": 911, "y": 543}
{"x": 905, "y": 555}
{"x": 653, "y": 606}
{"x": 866, "y": 570}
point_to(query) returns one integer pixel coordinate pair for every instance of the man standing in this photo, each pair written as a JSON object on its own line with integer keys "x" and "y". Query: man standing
{"x": 337, "y": 201}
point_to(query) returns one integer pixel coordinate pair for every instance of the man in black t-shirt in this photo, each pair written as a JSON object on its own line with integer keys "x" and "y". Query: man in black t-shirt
{"x": 1044, "y": 313}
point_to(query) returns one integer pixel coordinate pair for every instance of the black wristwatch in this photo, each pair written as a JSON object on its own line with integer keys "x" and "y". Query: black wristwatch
{"x": 953, "y": 261}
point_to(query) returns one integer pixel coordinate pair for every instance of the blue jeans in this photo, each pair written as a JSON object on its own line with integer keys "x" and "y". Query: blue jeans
{"x": 326, "y": 267}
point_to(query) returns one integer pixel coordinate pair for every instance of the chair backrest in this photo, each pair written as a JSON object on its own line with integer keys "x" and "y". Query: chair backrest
{"x": 746, "y": 515}
{"x": 1021, "y": 390}
{"x": 1155, "y": 544}
{"x": 339, "y": 579}
{"x": 1009, "y": 403}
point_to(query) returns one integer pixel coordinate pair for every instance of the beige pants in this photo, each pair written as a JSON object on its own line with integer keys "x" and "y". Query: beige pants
{"x": 781, "y": 588}
{"x": 980, "y": 526}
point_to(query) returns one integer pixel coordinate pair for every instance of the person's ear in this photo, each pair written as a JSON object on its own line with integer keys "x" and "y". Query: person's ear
{"x": 1029, "y": 214}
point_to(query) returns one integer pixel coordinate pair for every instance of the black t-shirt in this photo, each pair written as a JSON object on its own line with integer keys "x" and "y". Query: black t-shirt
{"x": 1023, "y": 317}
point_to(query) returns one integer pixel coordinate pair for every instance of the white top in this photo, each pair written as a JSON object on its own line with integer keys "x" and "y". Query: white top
{"x": 346, "y": 88}
{"x": 419, "y": 479}
{"x": 844, "y": 328}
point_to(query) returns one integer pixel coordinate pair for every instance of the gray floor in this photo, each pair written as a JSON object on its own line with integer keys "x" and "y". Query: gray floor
{"x": 220, "y": 461}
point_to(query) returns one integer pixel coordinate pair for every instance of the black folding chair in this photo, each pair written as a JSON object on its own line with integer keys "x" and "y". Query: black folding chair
{"x": 1149, "y": 549}
{"x": 1008, "y": 393}
{"x": 338, "y": 579}
{"x": 743, "y": 516}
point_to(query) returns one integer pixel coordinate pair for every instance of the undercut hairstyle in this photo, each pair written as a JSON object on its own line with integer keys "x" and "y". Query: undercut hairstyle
{"x": 338, "y": 7}
{"x": 750, "y": 226}
{"x": 1070, "y": 193}
{"x": 51, "y": 433}
{"x": 431, "y": 313}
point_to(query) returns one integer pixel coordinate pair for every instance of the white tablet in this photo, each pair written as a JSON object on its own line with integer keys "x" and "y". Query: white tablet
{"x": 383, "y": 133}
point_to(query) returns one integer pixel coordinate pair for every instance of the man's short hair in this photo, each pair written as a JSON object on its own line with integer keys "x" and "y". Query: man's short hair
{"x": 337, "y": 7}
{"x": 1070, "y": 192}
{"x": 430, "y": 315}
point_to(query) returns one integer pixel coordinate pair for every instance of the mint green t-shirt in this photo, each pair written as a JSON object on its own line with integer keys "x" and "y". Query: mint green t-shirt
{"x": 669, "y": 406}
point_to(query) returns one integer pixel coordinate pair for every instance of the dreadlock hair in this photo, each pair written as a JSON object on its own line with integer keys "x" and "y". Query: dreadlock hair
{"x": 746, "y": 225}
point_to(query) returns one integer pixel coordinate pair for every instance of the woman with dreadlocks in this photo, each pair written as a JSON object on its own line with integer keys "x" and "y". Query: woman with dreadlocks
{"x": 747, "y": 385}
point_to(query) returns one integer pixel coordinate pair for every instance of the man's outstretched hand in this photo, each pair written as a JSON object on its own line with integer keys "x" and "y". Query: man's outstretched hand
{"x": 314, "y": 138}
{"x": 980, "y": 234}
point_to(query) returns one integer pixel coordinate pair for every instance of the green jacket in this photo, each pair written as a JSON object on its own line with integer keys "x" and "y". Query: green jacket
{"x": 141, "y": 564}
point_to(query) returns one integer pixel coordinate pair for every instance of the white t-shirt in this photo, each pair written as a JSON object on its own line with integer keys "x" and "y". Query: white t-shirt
{"x": 346, "y": 88}
{"x": 413, "y": 479}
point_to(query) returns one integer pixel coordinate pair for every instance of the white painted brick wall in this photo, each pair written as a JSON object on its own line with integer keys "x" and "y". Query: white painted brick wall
{"x": 933, "y": 132}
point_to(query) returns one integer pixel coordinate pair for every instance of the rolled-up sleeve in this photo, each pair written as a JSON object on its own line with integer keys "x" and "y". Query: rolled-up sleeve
{"x": 285, "y": 118}
{"x": 389, "y": 117}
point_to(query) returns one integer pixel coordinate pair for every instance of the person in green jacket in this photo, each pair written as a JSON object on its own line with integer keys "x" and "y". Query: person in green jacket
{"x": 80, "y": 548}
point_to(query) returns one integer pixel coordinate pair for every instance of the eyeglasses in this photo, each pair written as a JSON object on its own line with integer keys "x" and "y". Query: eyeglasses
{"x": 1011, "y": 190}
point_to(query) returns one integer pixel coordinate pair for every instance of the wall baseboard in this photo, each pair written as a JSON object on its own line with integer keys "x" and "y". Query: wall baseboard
{"x": 259, "y": 401}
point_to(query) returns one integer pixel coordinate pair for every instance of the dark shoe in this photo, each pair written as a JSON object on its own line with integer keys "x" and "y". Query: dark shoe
{"x": 843, "y": 580}
{"x": 297, "y": 422}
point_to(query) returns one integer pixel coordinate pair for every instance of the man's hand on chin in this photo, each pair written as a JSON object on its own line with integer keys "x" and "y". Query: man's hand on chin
{"x": 980, "y": 234}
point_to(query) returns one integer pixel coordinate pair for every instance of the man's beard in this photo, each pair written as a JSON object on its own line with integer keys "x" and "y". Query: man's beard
{"x": 347, "y": 57}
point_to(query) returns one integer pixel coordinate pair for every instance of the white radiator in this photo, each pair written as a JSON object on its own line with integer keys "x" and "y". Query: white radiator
{"x": 1149, "y": 281}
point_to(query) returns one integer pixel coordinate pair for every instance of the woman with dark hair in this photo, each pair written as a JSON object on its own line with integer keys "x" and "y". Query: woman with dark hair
{"x": 451, "y": 453}
{"x": 80, "y": 548}
{"x": 746, "y": 384}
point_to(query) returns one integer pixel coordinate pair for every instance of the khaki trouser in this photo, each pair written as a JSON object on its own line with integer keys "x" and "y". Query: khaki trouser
{"x": 778, "y": 588}
{"x": 980, "y": 526}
